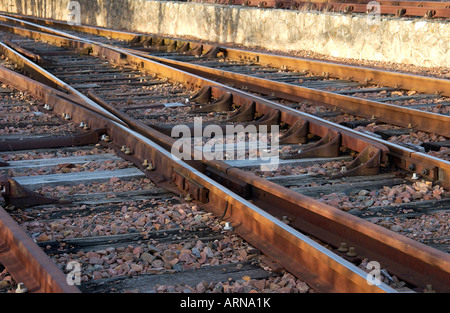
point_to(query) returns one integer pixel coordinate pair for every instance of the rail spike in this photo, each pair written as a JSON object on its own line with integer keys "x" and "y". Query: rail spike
{"x": 21, "y": 197}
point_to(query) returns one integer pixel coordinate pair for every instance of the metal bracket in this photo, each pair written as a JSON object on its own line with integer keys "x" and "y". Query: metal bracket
{"x": 183, "y": 48}
{"x": 366, "y": 163}
{"x": 136, "y": 40}
{"x": 171, "y": 47}
{"x": 21, "y": 197}
{"x": 203, "y": 96}
{"x": 222, "y": 104}
{"x": 184, "y": 183}
{"x": 212, "y": 53}
{"x": 196, "y": 51}
{"x": 158, "y": 42}
{"x": 146, "y": 42}
{"x": 327, "y": 147}
{"x": 269, "y": 119}
{"x": 243, "y": 189}
{"x": 245, "y": 113}
{"x": 297, "y": 133}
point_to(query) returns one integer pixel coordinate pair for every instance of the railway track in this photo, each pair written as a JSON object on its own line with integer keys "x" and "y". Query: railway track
{"x": 427, "y": 9}
{"x": 87, "y": 204}
{"x": 322, "y": 152}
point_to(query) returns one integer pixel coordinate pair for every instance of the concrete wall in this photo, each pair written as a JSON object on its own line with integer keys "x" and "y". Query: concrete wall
{"x": 413, "y": 41}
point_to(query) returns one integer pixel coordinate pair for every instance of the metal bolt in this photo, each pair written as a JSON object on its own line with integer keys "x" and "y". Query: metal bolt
{"x": 82, "y": 124}
{"x": 21, "y": 288}
{"x": 105, "y": 138}
{"x": 67, "y": 116}
{"x": 128, "y": 151}
{"x": 188, "y": 197}
{"x": 343, "y": 247}
{"x": 86, "y": 127}
{"x": 425, "y": 171}
{"x": 343, "y": 169}
{"x": 412, "y": 167}
{"x": 228, "y": 226}
{"x": 150, "y": 167}
{"x": 351, "y": 252}
{"x": 429, "y": 289}
{"x": 123, "y": 148}
{"x": 145, "y": 163}
{"x": 415, "y": 176}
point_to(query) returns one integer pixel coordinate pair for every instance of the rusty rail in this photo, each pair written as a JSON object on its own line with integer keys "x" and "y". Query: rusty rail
{"x": 398, "y": 8}
{"x": 26, "y": 261}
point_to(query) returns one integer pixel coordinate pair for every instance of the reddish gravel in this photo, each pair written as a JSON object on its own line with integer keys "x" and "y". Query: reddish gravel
{"x": 281, "y": 284}
{"x": 157, "y": 258}
{"x": 418, "y": 191}
{"x": 7, "y": 283}
{"x": 141, "y": 217}
{"x": 328, "y": 168}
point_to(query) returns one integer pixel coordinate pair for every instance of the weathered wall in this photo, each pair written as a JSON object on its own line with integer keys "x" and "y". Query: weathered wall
{"x": 418, "y": 42}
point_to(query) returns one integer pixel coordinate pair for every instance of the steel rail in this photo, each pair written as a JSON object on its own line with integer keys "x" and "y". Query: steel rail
{"x": 315, "y": 213}
{"x": 27, "y": 263}
{"x": 326, "y": 270}
{"x": 398, "y": 8}
{"x": 431, "y": 4}
{"x": 357, "y": 73}
{"x": 438, "y": 170}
